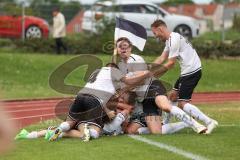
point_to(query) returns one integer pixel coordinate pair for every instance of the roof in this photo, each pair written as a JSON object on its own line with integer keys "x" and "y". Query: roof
{"x": 232, "y": 5}
{"x": 190, "y": 9}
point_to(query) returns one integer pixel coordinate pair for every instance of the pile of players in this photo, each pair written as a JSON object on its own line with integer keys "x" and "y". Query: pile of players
{"x": 128, "y": 97}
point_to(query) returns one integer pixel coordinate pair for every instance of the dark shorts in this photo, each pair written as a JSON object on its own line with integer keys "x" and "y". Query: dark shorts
{"x": 186, "y": 84}
{"x": 139, "y": 119}
{"x": 87, "y": 109}
{"x": 150, "y": 108}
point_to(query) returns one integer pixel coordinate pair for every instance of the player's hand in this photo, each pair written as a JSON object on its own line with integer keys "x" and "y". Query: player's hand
{"x": 111, "y": 114}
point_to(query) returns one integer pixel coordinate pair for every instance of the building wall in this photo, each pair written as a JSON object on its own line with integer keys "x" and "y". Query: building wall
{"x": 218, "y": 18}
{"x": 75, "y": 25}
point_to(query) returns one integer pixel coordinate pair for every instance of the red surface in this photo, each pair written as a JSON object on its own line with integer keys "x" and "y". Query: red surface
{"x": 11, "y": 26}
{"x": 26, "y": 112}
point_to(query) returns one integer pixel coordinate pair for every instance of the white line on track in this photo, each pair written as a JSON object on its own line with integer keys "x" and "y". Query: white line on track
{"x": 37, "y": 109}
{"x": 28, "y": 117}
{"x": 169, "y": 148}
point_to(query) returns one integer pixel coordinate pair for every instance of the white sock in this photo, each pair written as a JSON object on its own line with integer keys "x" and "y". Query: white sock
{"x": 64, "y": 126}
{"x": 182, "y": 116}
{"x": 173, "y": 127}
{"x": 196, "y": 113}
{"x": 93, "y": 133}
{"x": 167, "y": 116}
{"x": 174, "y": 103}
{"x": 32, "y": 135}
{"x": 143, "y": 130}
{"x": 115, "y": 123}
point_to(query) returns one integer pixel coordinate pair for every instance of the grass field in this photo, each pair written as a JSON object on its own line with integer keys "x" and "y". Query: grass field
{"x": 26, "y": 75}
{"x": 223, "y": 144}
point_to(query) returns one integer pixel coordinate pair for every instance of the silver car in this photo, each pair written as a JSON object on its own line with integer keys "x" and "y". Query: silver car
{"x": 142, "y": 12}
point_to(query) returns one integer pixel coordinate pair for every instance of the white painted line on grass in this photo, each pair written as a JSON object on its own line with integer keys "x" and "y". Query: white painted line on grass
{"x": 229, "y": 125}
{"x": 169, "y": 148}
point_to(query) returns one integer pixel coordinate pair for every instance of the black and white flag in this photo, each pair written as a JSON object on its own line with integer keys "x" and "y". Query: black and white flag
{"x": 135, "y": 32}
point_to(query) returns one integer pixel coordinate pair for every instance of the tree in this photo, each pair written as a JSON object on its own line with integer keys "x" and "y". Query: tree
{"x": 7, "y": 1}
{"x": 226, "y": 1}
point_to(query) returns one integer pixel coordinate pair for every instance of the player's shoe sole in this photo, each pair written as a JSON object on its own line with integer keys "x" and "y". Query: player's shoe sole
{"x": 86, "y": 133}
{"x": 200, "y": 129}
{"x": 55, "y": 135}
{"x": 211, "y": 126}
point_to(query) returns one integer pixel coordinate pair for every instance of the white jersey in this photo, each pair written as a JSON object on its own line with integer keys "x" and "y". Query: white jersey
{"x": 136, "y": 63}
{"x": 103, "y": 83}
{"x": 178, "y": 46}
{"x": 133, "y": 64}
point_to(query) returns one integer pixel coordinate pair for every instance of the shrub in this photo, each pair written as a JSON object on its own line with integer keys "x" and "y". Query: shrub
{"x": 236, "y": 22}
{"x": 102, "y": 42}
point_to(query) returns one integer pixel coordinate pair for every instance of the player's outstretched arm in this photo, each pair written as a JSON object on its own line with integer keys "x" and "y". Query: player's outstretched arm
{"x": 137, "y": 78}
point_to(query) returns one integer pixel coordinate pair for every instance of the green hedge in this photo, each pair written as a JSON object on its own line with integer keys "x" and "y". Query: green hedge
{"x": 211, "y": 49}
{"x": 236, "y": 22}
{"x": 99, "y": 44}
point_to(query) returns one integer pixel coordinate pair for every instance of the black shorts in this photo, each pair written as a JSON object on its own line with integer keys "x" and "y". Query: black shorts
{"x": 87, "y": 109}
{"x": 150, "y": 108}
{"x": 186, "y": 84}
{"x": 139, "y": 119}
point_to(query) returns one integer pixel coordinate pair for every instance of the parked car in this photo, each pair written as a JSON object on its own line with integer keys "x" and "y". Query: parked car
{"x": 34, "y": 27}
{"x": 142, "y": 12}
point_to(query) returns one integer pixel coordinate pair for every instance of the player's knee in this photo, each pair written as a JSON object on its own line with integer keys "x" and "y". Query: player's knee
{"x": 130, "y": 130}
{"x": 163, "y": 103}
{"x": 173, "y": 96}
{"x": 93, "y": 133}
{"x": 66, "y": 126}
{"x": 181, "y": 104}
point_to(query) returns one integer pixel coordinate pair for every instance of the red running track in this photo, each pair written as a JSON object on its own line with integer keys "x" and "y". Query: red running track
{"x": 26, "y": 112}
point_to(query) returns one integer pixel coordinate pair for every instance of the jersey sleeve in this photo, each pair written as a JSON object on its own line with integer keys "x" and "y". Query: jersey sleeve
{"x": 116, "y": 74}
{"x": 174, "y": 46}
{"x": 139, "y": 64}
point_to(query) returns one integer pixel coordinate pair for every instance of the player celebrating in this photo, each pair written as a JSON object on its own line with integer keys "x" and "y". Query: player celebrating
{"x": 178, "y": 48}
{"x": 152, "y": 93}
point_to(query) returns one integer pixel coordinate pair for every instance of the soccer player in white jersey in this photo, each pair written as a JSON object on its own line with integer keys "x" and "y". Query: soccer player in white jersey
{"x": 178, "y": 48}
{"x": 89, "y": 107}
{"x": 151, "y": 93}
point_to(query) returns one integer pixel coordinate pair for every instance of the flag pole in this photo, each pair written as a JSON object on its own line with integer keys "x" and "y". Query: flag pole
{"x": 114, "y": 58}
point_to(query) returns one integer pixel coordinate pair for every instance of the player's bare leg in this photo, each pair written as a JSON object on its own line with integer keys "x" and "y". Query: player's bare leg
{"x": 63, "y": 127}
{"x": 163, "y": 103}
{"x": 136, "y": 128}
{"x": 154, "y": 124}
